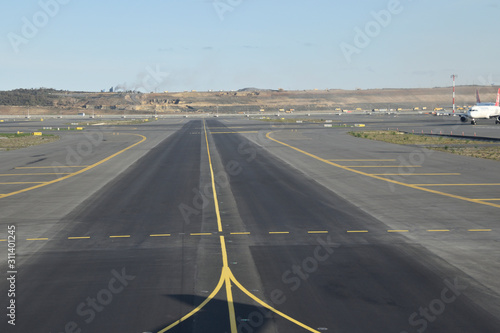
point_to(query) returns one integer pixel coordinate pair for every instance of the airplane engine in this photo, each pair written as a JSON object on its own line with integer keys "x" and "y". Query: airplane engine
{"x": 463, "y": 119}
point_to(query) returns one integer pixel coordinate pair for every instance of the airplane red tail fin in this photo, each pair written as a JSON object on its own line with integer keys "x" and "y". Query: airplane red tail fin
{"x": 478, "y": 100}
{"x": 498, "y": 98}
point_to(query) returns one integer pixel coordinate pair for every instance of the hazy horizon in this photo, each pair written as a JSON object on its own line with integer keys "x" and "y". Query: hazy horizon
{"x": 229, "y": 45}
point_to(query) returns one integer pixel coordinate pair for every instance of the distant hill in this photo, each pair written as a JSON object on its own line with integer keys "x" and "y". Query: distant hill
{"x": 51, "y": 101}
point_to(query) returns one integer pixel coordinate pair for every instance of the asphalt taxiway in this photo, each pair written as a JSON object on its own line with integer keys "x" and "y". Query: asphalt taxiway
{"x": 239, "y": 225}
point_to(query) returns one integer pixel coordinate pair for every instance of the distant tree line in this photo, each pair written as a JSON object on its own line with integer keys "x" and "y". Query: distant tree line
{"x": 28, "y": 97}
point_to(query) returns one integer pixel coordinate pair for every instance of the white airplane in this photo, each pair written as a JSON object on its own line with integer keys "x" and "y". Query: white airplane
{"x": 483, "y": 111}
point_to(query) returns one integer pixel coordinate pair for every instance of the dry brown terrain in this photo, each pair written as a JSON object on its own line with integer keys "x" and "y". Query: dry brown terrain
{"x": 251, "y": 100}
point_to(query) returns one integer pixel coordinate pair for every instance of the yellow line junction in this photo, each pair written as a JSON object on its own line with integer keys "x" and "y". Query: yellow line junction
{"x": 227, "y": 278}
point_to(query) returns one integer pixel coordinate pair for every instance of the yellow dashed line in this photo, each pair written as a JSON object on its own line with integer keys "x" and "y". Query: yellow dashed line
{"x": 36, "y": 239}
{"x": 278, "y": 232}
{"x": 159, "y": 235}
{"x": 83, "y": 237}
{"x": 472, "y": 230}
{"x": 317, "y": 232}
{"x": 201, "y": 234}
{"x": 240, "y": 233}
{"x": 354, "y": 231}
{"x": 3, "y": 240}
{"x": 120, "y": 236}
{"x": 398, "y": 230}
{"x": 438, "y": 230}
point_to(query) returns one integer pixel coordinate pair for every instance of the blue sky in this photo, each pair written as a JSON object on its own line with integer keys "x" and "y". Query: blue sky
{"x": 181, "y": 45}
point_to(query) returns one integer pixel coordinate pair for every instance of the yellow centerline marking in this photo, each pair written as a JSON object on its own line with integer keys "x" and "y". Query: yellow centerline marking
{"x": 120, "y": 236}
{"x": 240, "y": 233}
{"x": 472, "y": 230}
{"x": 226, "y": 275}
{"x": 216, "y": 201}
{"x": 438, "y": 230}
{"x": 278, "y": 232}
{"x": 201, "y": 234}
{"x": 3, "y": 240}
{"x": 77, "y": 172}
{"x": 82, "y": 237}
{"x": 413, "y": 186}
{"x": 36, "y": 239}
{"x": 398, "y": 230}
{"x": 354, "y": 231}
{"x": 488, "y": 199}
{"x": 317, "y": 232}
{"x": 159, "y": 235}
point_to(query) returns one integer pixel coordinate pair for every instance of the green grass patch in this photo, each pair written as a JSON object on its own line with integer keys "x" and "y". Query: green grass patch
{"x": 11, "y": 141}
{"x": 464, "y": 147}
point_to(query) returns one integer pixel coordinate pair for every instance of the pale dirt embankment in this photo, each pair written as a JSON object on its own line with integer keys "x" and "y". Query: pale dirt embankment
{"x": 252, "y": 100}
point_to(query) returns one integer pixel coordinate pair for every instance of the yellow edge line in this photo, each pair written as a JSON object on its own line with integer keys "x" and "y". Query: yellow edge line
{"x": 77, "y": 172}
{"x": 413, "y": 186}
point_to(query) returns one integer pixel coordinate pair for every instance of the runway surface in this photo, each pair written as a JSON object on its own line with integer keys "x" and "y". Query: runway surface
{"x": 238, "y": 225}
